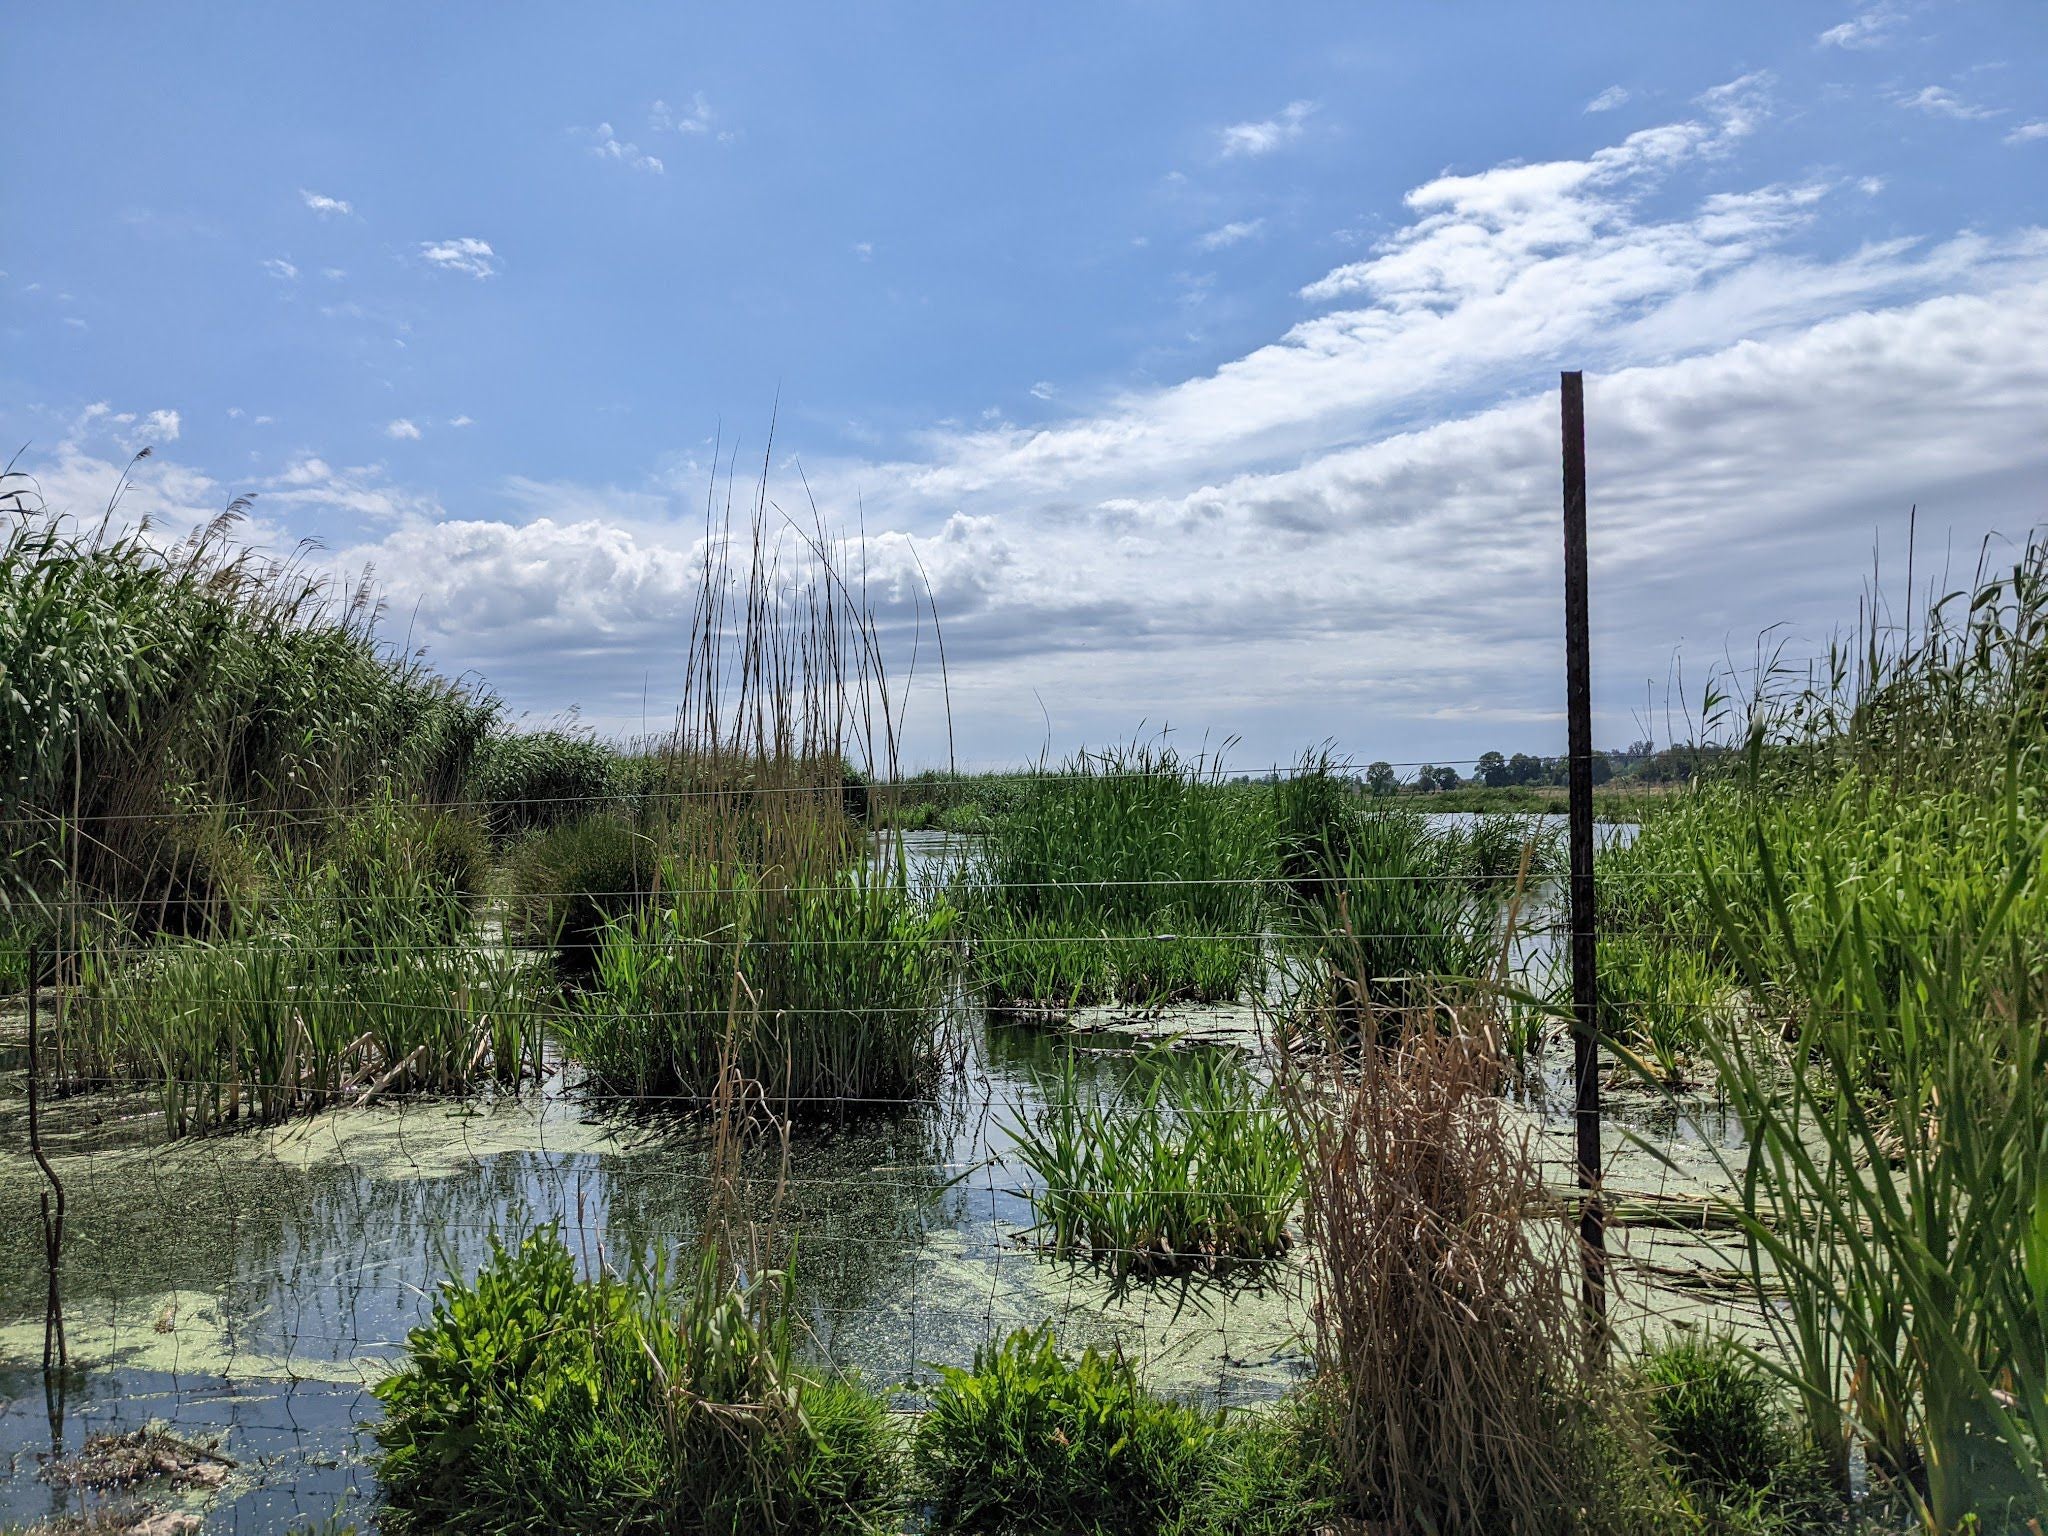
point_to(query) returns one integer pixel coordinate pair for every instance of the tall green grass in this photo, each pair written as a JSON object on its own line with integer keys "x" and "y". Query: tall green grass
{"x": 358, "y": 974}
{"x": 1188, "y": 1164}
{"x": 820, "y": 995}
{"x": 1875, "y": 881}
{"x": 150, "y": 683}
{"x": 1133, "y": 875}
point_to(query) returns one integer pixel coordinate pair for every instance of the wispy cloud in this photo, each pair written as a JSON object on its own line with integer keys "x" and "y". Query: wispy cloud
{"x": 327, "y": 207}
{"x": 694, "y": 117}
{"x": 461, "y": 421}
{"x": 1869, "y": 29}
{"x": 607, "y": 145}
{"x": 1614, "y": 96}
{"x": 864, "y": 249}
{"x": 1268, "y": 134}
{"x": 468, "y": 255}
{"x": 403, "y": 429}
{"x": 1234, "y": 233}
{"x": 2027, "y": 133}
{"x": 280, "y": 269}
{"x": 1939, "y": 101}
{"x": 1043, "y": 390}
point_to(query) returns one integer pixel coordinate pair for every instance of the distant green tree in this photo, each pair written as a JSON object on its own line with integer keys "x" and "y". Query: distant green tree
{"x": 1425, "y": 778}
{"x": 1447, "y": 778}
{"x": 1524, "y": 769}
{"x": 1493, "y": 770}
{"x": 1380, "y": 780}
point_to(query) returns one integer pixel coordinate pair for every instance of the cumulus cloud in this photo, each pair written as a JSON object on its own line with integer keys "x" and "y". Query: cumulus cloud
{"x": 1614, "y": 96}
{"x": 326, "y": 207}
{"x": 1234, "y": 233}
{"x": 468, "y": 255}
{"x": 1352, "y": 529}
{"x": 2027, "y": 133}
{"x": 694, "y": 117}
{"x": 159, "y": 427}
{"x": 403, "y": 429}
{"x": 1268, "y": 134}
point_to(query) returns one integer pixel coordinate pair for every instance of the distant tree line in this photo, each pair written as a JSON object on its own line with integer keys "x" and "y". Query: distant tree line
{"x": 1640, "y": 762}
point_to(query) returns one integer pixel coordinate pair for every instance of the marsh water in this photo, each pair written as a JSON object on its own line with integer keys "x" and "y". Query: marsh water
{"x": 255, "y": 1285}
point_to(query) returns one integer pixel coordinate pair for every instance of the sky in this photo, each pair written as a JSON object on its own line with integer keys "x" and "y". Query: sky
{"x": 1199, "y": 360}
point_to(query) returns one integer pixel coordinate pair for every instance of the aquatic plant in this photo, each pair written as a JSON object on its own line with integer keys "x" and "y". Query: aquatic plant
{"x": 525, "y": 780}
{"x": 1391, "y": 913}
{"x": 1188, "y": 1164}
{"x": 1725, "y": 1430}
{"x": 1129, "y": 875}
{"x": 1030, "y": 1438}
{"x": 151, "y": 681}
{"x": 336, "y": 987}
{"x": 820, "y": 995}
{"x": 571, "y": 879}
{"x": 664, "y": 1400}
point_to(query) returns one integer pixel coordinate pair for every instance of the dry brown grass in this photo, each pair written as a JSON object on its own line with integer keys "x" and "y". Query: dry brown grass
{"x": 1449, "y": 1349}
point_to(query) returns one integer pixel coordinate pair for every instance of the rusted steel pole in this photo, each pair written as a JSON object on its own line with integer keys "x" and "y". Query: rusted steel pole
{"x": 1578, "y": 687}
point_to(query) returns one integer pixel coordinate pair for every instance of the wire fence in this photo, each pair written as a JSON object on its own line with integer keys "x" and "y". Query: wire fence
{"x": 259, "y": 1280}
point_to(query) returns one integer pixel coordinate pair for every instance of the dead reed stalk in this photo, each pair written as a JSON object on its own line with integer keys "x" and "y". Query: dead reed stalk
{"x": 1448, "y": 1351}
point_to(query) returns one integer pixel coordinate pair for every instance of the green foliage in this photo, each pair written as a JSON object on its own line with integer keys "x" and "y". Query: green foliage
{"x": 1189, "y": 1164}
{"x": 1130, "y": 876}
{"x": 1031, "y": 1439}
{"x": 1723, "y": 1428}
{"x": 570, "y": 880}
{"x": 351, "y": 975}
{"x": 529, "y": 780}
{"x": 147, "y": 683}
{"x": 1395, "y": 910}
{"x": 664, "y": 1401}
{"x": 818, "y": 992}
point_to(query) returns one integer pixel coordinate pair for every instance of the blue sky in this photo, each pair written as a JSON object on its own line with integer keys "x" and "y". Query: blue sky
{"x": 1198, "y": 353}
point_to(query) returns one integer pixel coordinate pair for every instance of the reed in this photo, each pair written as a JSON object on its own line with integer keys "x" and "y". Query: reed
{"x": 1188, "y": 1164}
{"x": 777, "y": 929}
{"x": 1450, "y": 1358}
{"x": 1130, "y": 875}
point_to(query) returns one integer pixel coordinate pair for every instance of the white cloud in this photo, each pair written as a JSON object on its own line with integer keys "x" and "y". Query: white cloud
{"x": 1870, "y": 186}
{"x": 326, "y": 207}
{"x": 2027, "y": 133}
{"x": 402, "y": 429}
{"x": 864, "y": 249}
{"x": 280, "y": 269}
{"x": 160, "y": 427}
{"x": 606, "y": 145}
{"x": 461, "y": 421}
{"x": 694, "y": 118}
{"x": 1614, "y": 96}
{"x": 1043, "y": 390}
{"x": 1268, "y": 134}
{"x": 1870, "y": 29}
{"x": 1234, "y": 233}
{"x": 468, "y": 255}
{"x": 1939, "y": 101}
{"x": 333, "y": 274}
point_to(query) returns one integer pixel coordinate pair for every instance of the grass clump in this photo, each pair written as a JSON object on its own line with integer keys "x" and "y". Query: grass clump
{"x": 819, "y": 995}
{"x": 664, "y": 1401}
{"x": 1451, "y": 1361}
{"x": 1129, "y": 876}
{"x": 1032, "y": 1439}
{"x": 1725, "y": 1432}
{"x": 525, "y": 781}
{"x": 1189, "y": 1164}
{"x": 571, "y": 880}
